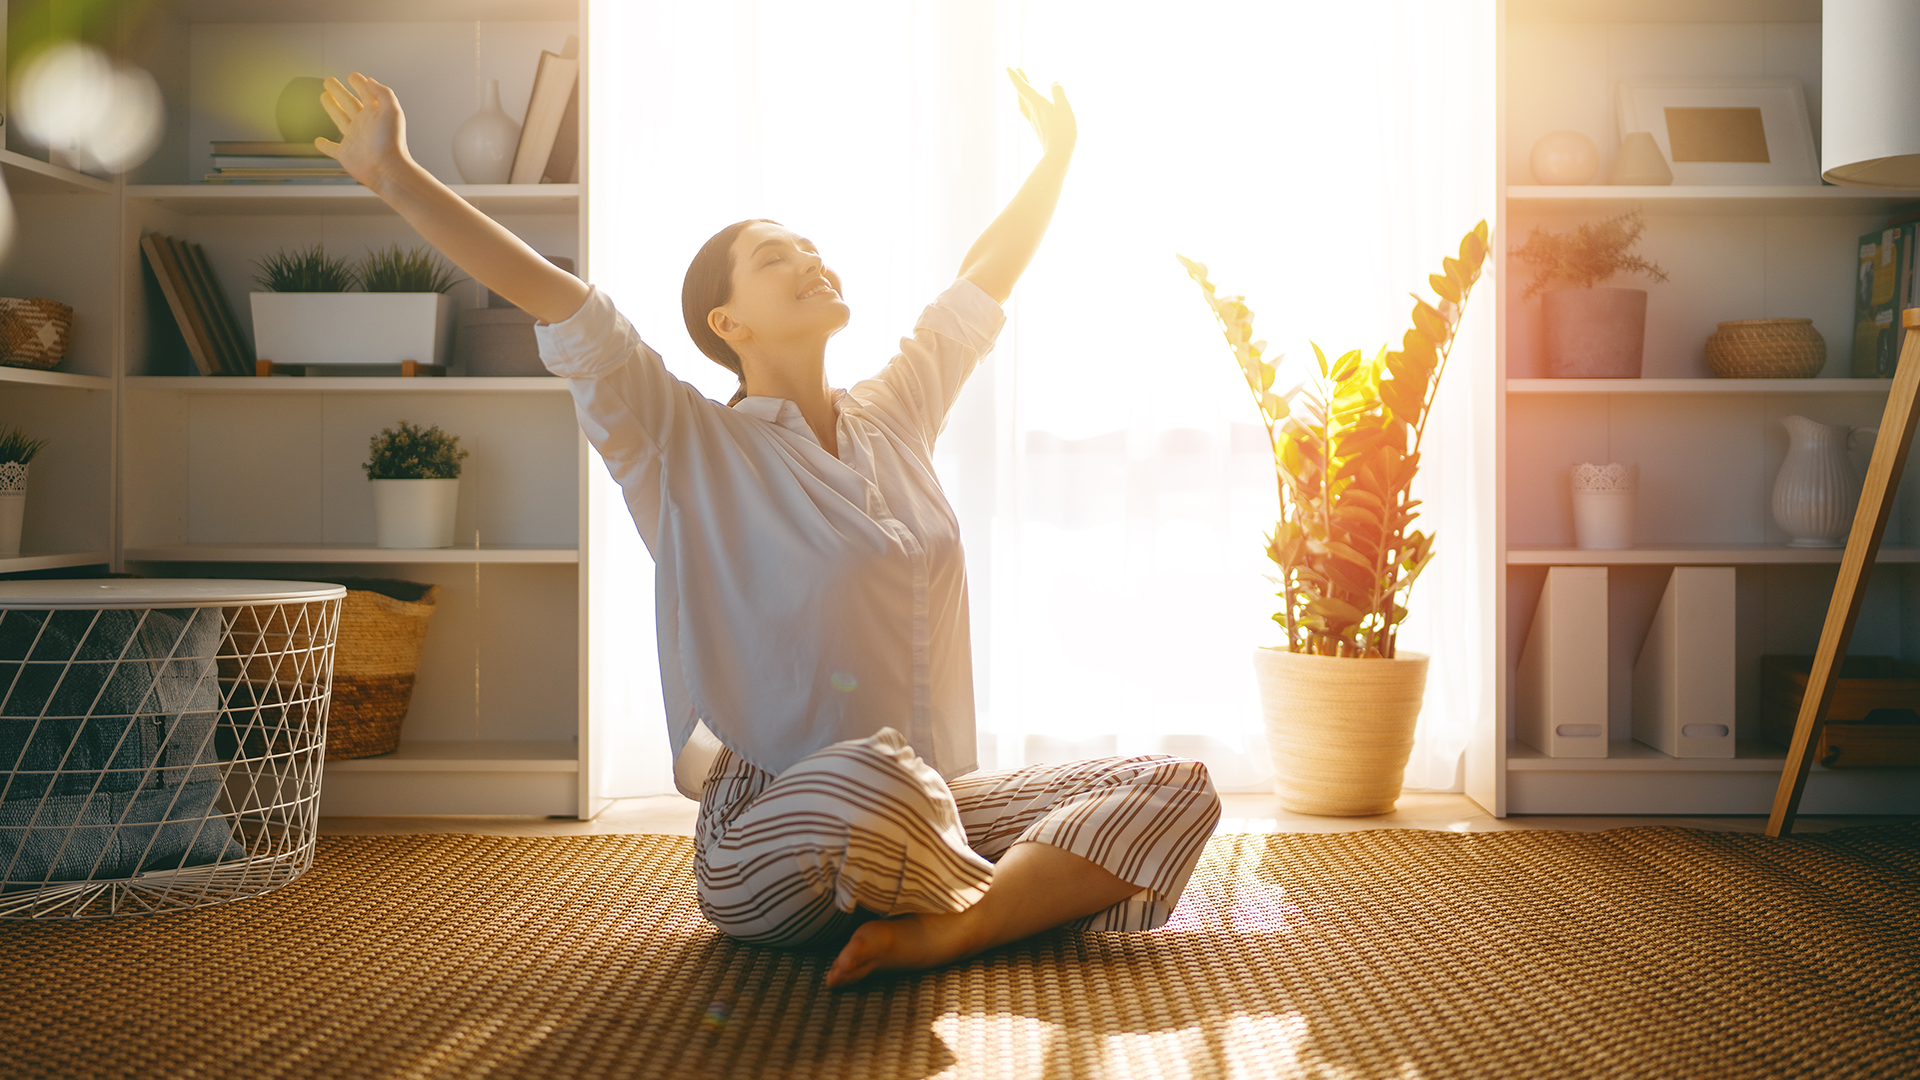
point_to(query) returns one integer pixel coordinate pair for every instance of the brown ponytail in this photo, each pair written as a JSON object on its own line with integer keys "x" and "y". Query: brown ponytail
{"x": 709, "y": 285}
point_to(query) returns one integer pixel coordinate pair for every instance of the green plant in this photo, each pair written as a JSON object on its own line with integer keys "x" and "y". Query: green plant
{"x": 415, "y": 270}
{"x": 1346, "y": 447}
{"x": 414, "y": 453}
{"x": 17, "y": 448}
{"x": 306, "y": 270}
{"x": 1587, "y": 256}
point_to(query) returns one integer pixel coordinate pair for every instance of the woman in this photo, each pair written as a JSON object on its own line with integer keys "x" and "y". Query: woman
{"x": 811, "y": 593}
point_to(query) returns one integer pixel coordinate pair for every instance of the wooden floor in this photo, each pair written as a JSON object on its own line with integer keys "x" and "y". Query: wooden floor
{"x": 674, "y": 816}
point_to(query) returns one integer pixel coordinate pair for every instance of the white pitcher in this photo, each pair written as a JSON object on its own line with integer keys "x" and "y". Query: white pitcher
{"x": 1816, "y": 492}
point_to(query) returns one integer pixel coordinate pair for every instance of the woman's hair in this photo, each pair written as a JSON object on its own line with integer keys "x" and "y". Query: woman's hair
{"x": 709, "y": 285}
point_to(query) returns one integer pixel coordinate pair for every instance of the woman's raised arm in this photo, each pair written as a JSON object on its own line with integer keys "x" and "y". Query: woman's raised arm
{"x": 1002, "y": 253}
{"x": 373, "y": 150}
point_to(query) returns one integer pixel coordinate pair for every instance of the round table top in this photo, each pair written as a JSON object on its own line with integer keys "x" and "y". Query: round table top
{"x": 94, "y": 593}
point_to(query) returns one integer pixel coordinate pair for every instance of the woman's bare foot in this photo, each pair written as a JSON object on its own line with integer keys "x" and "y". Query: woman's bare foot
{"x": 908, "y": 942}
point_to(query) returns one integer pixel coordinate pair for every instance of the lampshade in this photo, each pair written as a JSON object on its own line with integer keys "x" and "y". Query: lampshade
{"x": 1870, "y": 93}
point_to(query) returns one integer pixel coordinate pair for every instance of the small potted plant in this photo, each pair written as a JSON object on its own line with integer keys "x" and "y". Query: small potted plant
{"x": 1340, "y": 699}
{"x": 308, "y": 313}
{"x": 1591, "y": 331}
{"x": 415, "y": 475}
{"x": 16, "y": 452}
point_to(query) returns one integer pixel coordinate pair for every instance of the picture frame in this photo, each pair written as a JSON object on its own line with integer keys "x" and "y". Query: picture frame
{"x": 1727, "y": 131}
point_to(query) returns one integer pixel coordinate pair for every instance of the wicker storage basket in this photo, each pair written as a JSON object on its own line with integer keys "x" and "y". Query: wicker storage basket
{"x": 33, "y": 333}
{"x": 1766, "y": 349}
{"x": 383, "y": 624}
{"x": 382, "y": 627}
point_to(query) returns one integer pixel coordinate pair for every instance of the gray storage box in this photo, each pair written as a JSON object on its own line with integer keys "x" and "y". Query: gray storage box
{"x": 496, "y": 342}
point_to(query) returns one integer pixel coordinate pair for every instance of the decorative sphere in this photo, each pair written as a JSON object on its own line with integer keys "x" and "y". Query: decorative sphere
{"x": 299, "y": 114}
{"x": 1564, "y": 157}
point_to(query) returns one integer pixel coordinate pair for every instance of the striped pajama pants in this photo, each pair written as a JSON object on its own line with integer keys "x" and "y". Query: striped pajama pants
{"x": 866, "y": 828}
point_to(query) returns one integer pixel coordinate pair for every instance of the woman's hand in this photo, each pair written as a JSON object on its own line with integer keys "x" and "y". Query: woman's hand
{"x": 373, "y": 131}
{"x": 1000, "y": 256}
{"x": 1052, "y": 120}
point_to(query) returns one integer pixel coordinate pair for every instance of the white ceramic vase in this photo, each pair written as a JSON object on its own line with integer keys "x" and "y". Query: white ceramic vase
{"x": 414, "y": 513}
{"x": 13, "y": 506}
{"x": 1816, "y": 491}
{"x": 1564, "y": 157}
{"x": 1340, "y": 729}
{"x": 484, "y": 144}
{"x": 1604, "y": 498}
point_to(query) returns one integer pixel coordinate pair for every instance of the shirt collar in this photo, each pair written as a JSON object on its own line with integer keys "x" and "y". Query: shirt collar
{"x": 784, "y": 413}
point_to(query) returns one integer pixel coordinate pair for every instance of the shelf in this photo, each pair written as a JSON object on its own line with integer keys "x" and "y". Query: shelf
{"x": 23, "y": 563}
{"x": 29, "y": 176}
{"x": 1664, "y": 11}
{"x": 1709, "y": 199}
{"x": 478, "y": 755}
{"x": 1694, "y": 555}
{"x": 228, "y": 199}
{"x": 1628, "y": 755}
{"x": 1698, "y": 386}
{"x": 323, "y": 384}
{"x": 361, "y": 11}
{"x": 35, "y": 377}
{"x": 346, "y": 553}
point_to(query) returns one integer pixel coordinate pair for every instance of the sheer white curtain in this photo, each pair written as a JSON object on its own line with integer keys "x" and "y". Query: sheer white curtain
{"x": 1105, "y": 463}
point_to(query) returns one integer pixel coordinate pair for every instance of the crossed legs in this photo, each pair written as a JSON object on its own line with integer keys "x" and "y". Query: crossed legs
{"x": 864, "y": 829}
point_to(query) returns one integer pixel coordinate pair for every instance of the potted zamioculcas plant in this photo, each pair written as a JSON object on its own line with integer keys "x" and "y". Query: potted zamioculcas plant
{"x": 1590, "y": 330}
{"x": 415, "y": 476}
{"x": 16, "y": 453}
{"x": 1340, "y": 698}
{"x": 307, "y": 311}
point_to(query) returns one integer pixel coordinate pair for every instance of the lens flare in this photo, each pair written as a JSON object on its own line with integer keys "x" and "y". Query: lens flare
{"x": 843, "y": 681}
{"x": 76, "y": 102}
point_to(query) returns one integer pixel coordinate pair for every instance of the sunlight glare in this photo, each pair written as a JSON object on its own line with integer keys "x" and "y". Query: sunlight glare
{"x": 75, "y": 101}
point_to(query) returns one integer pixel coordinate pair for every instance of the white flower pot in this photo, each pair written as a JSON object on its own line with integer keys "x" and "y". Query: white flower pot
{"x": 13, "y": 506}
{"x": 1340, "y": 729}
{"x": 13, "y": 513}
{"x": 414, "y": 513}
{"x": 352, "y": 327}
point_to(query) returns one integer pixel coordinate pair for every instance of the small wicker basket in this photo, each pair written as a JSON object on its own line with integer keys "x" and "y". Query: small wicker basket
{"x": 33, "y": 333}
{"x": 1766, "y": 349}
{"x": 382, "y": 628}
{"x": 383, "y": 624}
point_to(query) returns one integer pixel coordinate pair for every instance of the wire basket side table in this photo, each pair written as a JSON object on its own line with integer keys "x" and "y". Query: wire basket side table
{"x": 161, "y": 741}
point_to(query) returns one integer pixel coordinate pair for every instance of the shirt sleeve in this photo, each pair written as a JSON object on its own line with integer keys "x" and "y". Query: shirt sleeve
{"x": 628, "y": 403}
{"x": 925, "y": 379}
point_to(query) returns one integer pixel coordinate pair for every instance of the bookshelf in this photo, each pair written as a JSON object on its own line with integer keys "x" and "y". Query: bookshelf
{"x": 1708, "y": 448}
{"x": 157, "y": 470}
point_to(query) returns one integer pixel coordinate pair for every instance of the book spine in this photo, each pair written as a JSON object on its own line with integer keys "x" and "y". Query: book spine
{"x": 1861, "y": 364}
{"x": 562, "y": 162}
{"x": 173, "y": 286}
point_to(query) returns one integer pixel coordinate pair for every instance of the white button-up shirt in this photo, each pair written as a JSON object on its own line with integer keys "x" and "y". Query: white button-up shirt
{"x": 801, "y": 599}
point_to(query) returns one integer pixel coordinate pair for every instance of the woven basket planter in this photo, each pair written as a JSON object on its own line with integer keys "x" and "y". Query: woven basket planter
{"x": 1766, "y": 349}
{"x": 383, "y": 624}
{"x": 33, "y": 333}
{"x": 382, "y": 628}
{"x": 1340, "y": 729}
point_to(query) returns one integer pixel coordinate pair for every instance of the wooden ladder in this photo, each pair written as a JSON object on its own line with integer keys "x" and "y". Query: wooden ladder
{"x": 1856, "y": 565}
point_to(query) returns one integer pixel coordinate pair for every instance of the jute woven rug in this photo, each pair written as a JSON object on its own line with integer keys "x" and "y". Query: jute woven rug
{"x": 1645, "y": 952}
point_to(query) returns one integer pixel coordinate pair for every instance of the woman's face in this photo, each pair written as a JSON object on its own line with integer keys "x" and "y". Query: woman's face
{"x": 782, "y": 292}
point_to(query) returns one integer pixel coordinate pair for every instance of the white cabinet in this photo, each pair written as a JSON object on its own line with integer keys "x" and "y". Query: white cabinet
{"x": 1708, "y": 449}
{"x": 157, "y": 470}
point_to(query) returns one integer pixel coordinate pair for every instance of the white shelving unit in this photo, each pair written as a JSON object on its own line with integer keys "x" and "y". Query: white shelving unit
{"x": 154, "y": 469}
{"x": 1708, "y": 449}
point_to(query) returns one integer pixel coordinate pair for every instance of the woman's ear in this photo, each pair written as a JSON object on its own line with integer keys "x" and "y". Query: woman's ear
{"x": 731, "y": 330}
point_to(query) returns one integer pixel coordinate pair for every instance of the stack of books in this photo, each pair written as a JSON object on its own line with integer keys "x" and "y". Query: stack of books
{"x": 273, "y": 163}
{"x": 199, "y": 306}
